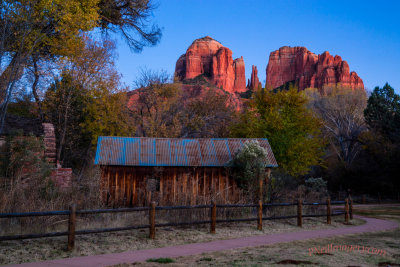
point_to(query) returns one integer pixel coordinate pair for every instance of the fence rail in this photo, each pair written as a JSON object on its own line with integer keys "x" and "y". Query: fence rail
{"x": 152, "y": 212}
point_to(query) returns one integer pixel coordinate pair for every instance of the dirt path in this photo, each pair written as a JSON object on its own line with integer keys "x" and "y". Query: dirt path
{"x": 371, "y": 225}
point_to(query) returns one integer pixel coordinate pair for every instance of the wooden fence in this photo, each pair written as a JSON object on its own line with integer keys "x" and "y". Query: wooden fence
{"x": 73, "y": 213}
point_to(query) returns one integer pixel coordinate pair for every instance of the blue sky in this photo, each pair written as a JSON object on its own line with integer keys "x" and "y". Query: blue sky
{"x": 364, "y": 33}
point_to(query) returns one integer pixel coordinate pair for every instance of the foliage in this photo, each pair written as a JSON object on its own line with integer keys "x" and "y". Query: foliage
{"x": 39, "y": 27}
{"x": 316, "y": 184}
{"x": 161, "y": 260}
{"x": 26, "y": 171}
{"x": 292, "y": 130}
{"x": 208, "y": 116}
{"x": 157, "y": 110}
{"x": 63, "y": 107}
{"x": 248, "y": 165}
{"x": 161, "y": 108}
{"x": 383, "y": 112}
{"x": 36, "y": 33}
{"x": 131, "y": 19}
{"x": 374, "y": 168}
{"x": 26, "y": 157}
{"x": 281, "y": 185}
{"x": 86, "y": 101}
{"x": 23, "y": 106}
{"x": 341, "y": 111}
{"x": 377, "y": 169}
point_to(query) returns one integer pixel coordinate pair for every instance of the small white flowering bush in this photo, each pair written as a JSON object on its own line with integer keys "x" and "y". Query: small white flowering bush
{"x": 248, "y": 165}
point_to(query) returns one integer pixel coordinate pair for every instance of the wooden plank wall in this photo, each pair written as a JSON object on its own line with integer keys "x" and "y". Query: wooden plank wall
{"x": 127, "y": 186}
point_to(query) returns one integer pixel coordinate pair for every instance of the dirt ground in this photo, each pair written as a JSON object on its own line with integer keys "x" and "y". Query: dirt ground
{"x": 55, "y": 248}
{"x": 298, "y": 253}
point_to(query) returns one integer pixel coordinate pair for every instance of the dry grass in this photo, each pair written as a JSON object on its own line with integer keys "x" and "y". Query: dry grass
{"x": 53, "y": 248}
{"x": 297, "y": 253}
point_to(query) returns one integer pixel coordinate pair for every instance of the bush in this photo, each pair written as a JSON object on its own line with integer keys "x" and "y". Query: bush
{"x": 161, "y": 260}
{"x": 316, "y": 185}
{"x": 248, "y": 166}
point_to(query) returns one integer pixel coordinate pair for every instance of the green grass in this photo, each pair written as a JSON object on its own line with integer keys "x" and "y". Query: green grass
{"x": 161, "y": 260}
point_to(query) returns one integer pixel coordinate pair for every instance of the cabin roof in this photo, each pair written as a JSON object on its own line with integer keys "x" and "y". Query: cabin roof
{"x": 173, "y": 152}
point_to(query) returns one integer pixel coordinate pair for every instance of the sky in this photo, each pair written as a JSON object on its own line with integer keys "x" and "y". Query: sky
{"x": 364, "y": 33}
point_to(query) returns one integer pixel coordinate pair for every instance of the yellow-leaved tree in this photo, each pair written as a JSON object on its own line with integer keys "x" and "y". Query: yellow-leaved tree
{"x": 293, "y": 132}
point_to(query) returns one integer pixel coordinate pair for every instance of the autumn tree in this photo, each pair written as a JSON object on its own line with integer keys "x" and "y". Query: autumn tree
{"x": 292, "y": 130}
{"x": 341, "y": 111}
{"x": 157, "y": 107}
{"x": 86, "y": 101}
{"x": 209, "y": 116}
{"x": 33, "y": 33}
{"x": 29, "y": 27}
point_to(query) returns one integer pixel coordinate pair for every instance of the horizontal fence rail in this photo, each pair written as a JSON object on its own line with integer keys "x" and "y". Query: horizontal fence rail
{"x": 347, "y": 211}
{"x": 34, "y": 214}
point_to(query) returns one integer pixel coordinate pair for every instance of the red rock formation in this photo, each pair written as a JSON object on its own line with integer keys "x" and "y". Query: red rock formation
{"x": 297, "y": 64}
{"x": 209, "y": 57}
{"x": 240, "y": 75}
{"x": 254, "y": 82}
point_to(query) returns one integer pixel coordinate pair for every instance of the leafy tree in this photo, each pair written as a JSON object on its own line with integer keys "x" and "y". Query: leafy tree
{"x": 33, "y": 33}
{"x": 38, "y": 26}
{"x": 63, "y": 106}
{"x": 292, "y": 130}
{"x": 106, "y": 112}
{"x": 383, "y": 112}
{"x": 86, "y": 101}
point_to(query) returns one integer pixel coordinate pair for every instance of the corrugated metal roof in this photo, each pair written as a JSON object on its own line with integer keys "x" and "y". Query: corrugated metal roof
{"x": 146, "y": 151}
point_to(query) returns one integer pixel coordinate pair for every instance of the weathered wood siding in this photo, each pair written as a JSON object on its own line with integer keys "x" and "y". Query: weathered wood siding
{"x": 134, "y": 186}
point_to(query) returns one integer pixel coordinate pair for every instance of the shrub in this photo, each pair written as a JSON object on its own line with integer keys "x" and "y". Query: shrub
{"x": 248, "y": 166}
{"x": 161, "y": 260}
{"x": 316, "y": 185}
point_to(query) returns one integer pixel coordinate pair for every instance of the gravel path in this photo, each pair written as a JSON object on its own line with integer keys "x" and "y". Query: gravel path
{"x": 371, "y": 225}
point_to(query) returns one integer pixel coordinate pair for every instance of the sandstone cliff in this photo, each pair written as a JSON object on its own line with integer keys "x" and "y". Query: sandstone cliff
{"x": 306, "y": 69}
{"x": 208, "y": 57}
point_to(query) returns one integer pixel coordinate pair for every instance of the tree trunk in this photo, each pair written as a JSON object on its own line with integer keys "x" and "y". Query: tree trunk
{"x": 34, "y": 88}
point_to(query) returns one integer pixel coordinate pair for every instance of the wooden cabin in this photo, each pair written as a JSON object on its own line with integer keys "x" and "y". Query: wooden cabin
{"x": 170, "y": 171}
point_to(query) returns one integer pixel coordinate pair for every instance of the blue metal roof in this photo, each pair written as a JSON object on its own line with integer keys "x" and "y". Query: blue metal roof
{"x": 146, "y": 151}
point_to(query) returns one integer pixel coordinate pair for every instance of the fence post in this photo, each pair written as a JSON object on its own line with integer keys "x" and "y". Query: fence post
{"x": 351, "y": 208}
{"x": 379, "y": 198}
{"x": 299, "y": 213}
{"x": 259, "y": 217}
{"x": 346, "y": 210}
{"x": 328, "y": 210}
{"x": 364, "y": 199}
{"x": 71, "y": 227}
{"x": 152, "y": 220}
{"x": 213, "y": 217}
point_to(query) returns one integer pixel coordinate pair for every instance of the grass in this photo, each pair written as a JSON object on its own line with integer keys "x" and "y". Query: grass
{"x": 298, "y": 253}
{"x": 32, "y": 250}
